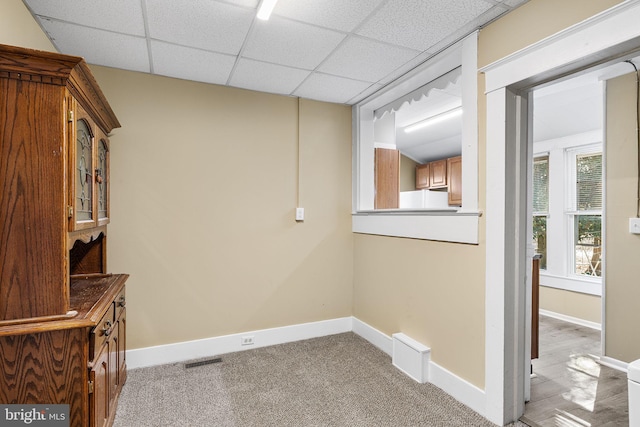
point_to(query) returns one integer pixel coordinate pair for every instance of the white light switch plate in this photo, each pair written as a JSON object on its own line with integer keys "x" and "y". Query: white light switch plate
{"x": 299, "y": 214}
{"x": 634, "y": 225}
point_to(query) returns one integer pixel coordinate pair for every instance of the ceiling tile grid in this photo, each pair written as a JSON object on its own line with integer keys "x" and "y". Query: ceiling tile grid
{"x": 330, "y": 50}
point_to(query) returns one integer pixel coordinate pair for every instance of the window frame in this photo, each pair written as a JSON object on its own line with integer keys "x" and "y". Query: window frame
{"x": 455, "y": 224}
{"x": 560, "y": 273}
{"x": 572, "y": 211}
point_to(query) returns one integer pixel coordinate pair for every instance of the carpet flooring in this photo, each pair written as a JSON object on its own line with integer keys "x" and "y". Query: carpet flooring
{"x": 339, "y": 380}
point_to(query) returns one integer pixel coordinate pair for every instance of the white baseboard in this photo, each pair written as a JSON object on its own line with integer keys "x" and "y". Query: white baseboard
{"x": 460, "y": 389}
{"x": 455, "y": 386}
{"x": 374, "y": 336}
{"x": 571, "y": 319}
{"x": 207, "y": 347}
{"x": 614, "y": 363}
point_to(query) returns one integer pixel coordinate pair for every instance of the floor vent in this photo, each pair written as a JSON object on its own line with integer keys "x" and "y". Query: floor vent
{"x": 202, "y": 362}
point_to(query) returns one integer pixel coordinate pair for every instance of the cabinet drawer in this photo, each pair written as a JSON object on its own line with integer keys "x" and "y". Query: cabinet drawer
{"x": 101, "y": 332}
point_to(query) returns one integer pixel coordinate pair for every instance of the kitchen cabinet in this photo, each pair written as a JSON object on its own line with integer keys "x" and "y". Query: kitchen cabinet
{"x": 454, "y": 178}
{"x": 387, "y": 176}
{"x": 62, "y": 335}
{"x": 422, "y": 176}
{"x": 438, "y": 174}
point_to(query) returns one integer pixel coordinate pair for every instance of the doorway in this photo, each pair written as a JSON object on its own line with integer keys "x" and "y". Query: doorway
{"x": 566, "y": 199}
{"x": 507, "y": 82}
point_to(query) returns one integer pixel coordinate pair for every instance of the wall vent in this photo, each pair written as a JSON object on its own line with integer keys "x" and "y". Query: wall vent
{"x": 411, "y": 357}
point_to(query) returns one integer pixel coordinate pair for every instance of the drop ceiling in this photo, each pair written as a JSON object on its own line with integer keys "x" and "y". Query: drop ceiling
{"x": 328, "y": 50}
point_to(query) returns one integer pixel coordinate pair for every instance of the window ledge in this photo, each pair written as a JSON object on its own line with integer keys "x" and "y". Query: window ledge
{"x": 426, "y": 224}
{"x": 590, "y": 286}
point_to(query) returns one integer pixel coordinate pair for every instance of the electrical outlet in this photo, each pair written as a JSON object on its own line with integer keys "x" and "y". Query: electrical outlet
{"x": 247, "y": 340}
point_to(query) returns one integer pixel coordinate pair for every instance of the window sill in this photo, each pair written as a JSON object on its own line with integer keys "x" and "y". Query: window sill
{"x": 574, "y": 284}
{"x": 447, "y": 225}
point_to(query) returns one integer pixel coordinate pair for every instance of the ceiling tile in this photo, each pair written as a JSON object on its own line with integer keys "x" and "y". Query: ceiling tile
{"x": 323, "y": 87}
{"x": 367, "y": 60}
{"x": 106, "y": 48}
{"x": 191, "y": 64}
{"x": 123, "y": 16}
{"x": 264, "y": 77}
{"x": 253, "y": 4}
{"x": 204, "y": 24}
{"x": 336, "y": 14}
{"x": 419, "y": 24}
{"x": 291, "y": 43}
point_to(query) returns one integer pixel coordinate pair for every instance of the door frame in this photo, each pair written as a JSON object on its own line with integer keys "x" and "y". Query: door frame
{"x": 607, "y": 37}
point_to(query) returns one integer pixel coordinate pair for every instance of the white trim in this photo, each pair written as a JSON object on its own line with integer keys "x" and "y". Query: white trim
{"x": 571, "y": 319}
{"x": 374, "y": 336}
{"x": 614, "y": 363}
{"x": 450, "y": 227}
{"x": 613, "y": 30}
{"x": 594, "y": 41}
{"x": 462, "y": 390}
{"x": 574, "y": 283}
{"x": 391, "y": 223}
{"x": 188, "y": 350}
{"x": 450, "y": 383}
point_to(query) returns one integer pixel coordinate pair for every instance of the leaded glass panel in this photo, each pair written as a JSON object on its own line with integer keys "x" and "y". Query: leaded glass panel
{"x": 84, "y": 173}
{"x": 101, "y": 178}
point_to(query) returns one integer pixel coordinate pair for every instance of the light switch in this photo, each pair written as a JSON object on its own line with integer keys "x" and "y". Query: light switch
{"x": 299, "y": 214}
{"x": 634, "y": 225}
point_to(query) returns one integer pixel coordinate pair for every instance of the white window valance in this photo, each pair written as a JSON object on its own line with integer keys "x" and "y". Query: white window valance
{"x": 440, "y": 83}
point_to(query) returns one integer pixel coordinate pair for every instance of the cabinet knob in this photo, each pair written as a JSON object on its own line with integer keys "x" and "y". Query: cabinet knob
{"x": 106, "y": 329}
{"x": 122, "y": 301}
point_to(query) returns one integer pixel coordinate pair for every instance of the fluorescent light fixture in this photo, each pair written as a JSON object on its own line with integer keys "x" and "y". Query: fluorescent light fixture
{"x": 265, "y": 9}
{"x": 434, "y": 119}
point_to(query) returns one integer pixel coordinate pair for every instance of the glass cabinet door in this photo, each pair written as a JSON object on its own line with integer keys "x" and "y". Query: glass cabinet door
{"x": 102, "y": 181}
{"x": 84, "y": 172}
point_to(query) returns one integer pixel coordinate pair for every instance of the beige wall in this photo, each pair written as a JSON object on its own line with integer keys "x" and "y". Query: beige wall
{"x": 407, "y": 173}
{"x": 18, "y": 28}
{"x": 204, "y": 190}
{"x": 574, "y": 304}
{"x": 622, "y": 248}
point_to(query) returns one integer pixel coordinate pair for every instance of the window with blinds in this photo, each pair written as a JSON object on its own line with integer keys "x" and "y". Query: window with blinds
{"x": 587, "y": 219}
{"x": 540, "y": 207}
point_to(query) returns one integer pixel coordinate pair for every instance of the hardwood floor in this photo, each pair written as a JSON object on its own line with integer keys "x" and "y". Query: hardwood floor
{"x": 570, "y": 387}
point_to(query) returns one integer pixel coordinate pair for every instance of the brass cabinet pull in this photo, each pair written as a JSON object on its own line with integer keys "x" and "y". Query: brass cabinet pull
{"x": 107, "y": 328}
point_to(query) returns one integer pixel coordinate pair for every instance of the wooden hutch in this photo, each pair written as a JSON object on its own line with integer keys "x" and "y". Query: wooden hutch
{"x": 62, "y": 316}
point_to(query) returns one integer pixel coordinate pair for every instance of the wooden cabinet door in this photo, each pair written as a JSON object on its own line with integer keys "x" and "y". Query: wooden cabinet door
{"x": 454, "y": 171}
{"x": 422, "y": 176}
{"x": 99, "y": 401}
{"x": 121, "y": 348}
{"x": 438, "y": 173}
{"x": 387, "y": 178}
